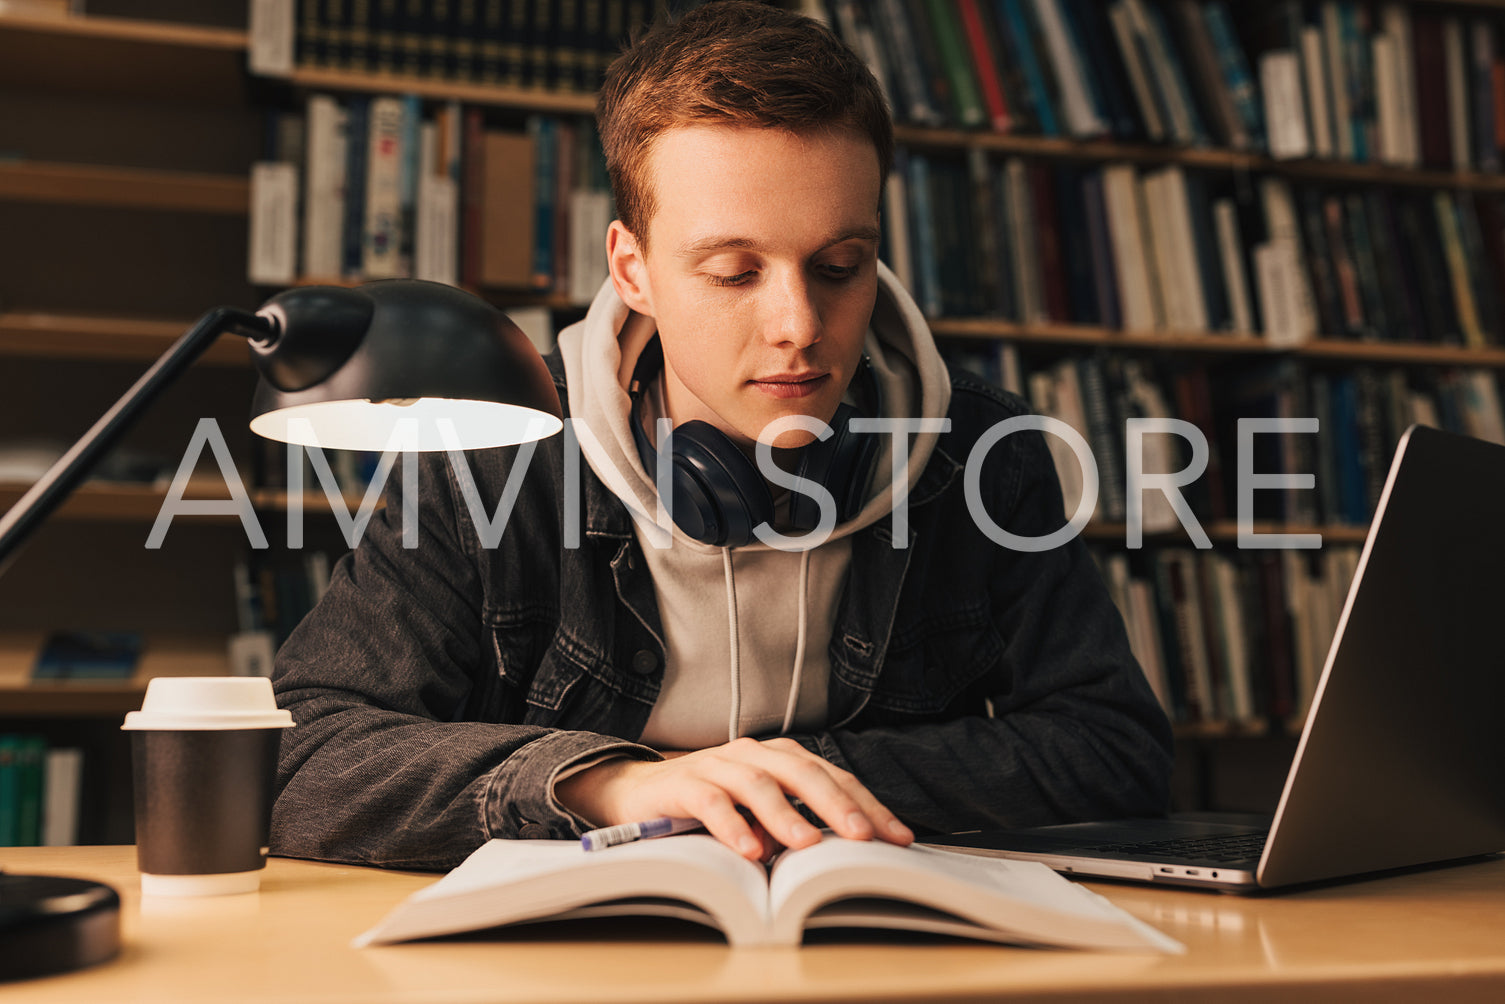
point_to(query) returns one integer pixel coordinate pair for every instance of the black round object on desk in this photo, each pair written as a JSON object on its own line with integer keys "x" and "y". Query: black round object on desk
{"x": 51, "y": 925}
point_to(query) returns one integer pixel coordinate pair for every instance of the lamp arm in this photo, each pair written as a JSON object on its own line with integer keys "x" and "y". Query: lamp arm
{"x": 72, "y": 467}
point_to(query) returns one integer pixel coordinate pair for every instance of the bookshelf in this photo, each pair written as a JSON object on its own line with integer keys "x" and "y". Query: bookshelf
{"x": 1225, "y": 762}
{"x": 124, "y": 190}
{"x": 94, "y": 318}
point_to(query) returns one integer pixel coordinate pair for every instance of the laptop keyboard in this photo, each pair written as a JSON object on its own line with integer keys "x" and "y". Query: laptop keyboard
{"x": 1224, "y": 848}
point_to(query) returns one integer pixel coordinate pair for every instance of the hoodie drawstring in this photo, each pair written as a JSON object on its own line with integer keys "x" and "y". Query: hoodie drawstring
{"x": 732, "y": 729}
{"x": 799, "y": 645}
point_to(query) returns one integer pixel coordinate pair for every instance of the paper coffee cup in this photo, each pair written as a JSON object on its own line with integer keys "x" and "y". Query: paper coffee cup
{"x": 204, "y": 764}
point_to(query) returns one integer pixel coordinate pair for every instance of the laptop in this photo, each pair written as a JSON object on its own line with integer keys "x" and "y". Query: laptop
{"x": 1401, "y": 761}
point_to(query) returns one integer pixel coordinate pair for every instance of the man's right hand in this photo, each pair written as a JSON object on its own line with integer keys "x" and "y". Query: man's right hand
{"x": 711, "y": 784}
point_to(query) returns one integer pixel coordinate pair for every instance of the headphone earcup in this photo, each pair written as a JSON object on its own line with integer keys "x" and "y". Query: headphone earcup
{"x": 718, "y": 494}
{"x": 843, "y": 464}
{"x": 719, "y": 497}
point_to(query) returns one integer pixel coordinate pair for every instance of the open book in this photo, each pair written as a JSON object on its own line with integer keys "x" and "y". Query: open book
{"x": 836, "y": 883}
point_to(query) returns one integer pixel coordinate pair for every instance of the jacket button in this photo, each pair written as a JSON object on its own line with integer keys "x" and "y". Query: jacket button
{"x": 644, "y": 662}
{"x": 533, "y": 831}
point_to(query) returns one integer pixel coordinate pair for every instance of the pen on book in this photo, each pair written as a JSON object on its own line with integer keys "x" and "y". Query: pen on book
{"x": 626, "y": 833}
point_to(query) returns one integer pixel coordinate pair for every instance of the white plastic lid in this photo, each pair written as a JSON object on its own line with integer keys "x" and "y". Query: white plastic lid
{"x": 186, "y": 703}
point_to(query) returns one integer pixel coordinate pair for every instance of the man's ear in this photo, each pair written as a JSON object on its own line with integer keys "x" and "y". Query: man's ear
{"x": 629, "y": 269}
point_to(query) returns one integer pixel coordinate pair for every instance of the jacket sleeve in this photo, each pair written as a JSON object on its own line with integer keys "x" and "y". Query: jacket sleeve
{"x": 379, "y": 769}
{"x": 1074, "y": 732}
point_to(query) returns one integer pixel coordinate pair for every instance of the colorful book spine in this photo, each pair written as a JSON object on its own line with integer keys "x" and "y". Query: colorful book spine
{"x": 1237, "y": 76}
{"x": 956, "y": 63}
{"x": 1078, "y": 106}
{"x": 922, "y": 227}
{"x": 381, "y": 244}
{"x": 1016, "y": 25}
{"x": 986, "y": 61}
{"x": 1458, "y": 270}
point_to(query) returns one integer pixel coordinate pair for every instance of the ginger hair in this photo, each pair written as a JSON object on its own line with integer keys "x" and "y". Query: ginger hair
{"x": 737, "y": 63}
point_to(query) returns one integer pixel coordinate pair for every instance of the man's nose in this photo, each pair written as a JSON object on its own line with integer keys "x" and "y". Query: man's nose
{"x": 794, "y": 314}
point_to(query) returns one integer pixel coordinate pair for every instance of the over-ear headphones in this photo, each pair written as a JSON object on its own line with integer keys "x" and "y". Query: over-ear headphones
{"x": 718, "y": 494}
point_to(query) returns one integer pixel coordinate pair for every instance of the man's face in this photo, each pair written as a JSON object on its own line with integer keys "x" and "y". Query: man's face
{"x": 762, "y": 272}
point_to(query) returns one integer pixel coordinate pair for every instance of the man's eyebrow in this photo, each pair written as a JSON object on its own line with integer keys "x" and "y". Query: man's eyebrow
{"x": 705, "y": 245}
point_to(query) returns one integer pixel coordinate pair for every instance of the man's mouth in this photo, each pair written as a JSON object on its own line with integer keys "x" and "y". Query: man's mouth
{"x": 787, "y": 385}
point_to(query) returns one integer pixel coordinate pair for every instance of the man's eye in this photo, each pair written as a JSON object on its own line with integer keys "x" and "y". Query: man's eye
{"x": 730, "y": 280}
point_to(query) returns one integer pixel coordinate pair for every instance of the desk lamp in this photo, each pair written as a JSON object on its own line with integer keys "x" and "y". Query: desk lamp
{"x": 338, "y": 368}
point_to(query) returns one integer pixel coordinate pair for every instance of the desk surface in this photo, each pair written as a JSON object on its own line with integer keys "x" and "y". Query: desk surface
{"x": 1400, "y": 937}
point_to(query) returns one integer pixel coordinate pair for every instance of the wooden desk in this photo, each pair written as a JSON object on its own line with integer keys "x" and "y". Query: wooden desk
{"x": 1423, "y": 935}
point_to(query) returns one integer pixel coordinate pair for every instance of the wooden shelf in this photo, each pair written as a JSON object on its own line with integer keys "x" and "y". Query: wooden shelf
{"x": 1207, "y": 158}
{"x": 128, "y": 503}
{"x": 160, "y": 656}
{"x": 492, "y": 294}
{"x": 523, "y": 99}
{"x": 126, "y": 30}
{"x": 152, "y": 59}
{"x": 1400, "y": 353}
{"x": 125, "y": 187}
{"x": 59, "y": 336}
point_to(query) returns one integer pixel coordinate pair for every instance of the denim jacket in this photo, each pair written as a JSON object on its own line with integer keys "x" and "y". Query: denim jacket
{"x": 439, "y": 691}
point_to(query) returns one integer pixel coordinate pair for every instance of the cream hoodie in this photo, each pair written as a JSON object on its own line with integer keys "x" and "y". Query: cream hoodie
{"x": 745, "y": 629}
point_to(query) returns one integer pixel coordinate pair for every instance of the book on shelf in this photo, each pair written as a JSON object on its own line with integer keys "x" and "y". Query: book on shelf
{"x": 1080, "y": 105}
{"x": 506, "y": 244}
{"x": 382, "y": 236}
{"x": 956, "y": 62}
{"x": 273, "y": 594}
{"x": 62, "y": 787}
{"x": 1081, "y": 282}
{"x": 986, "y": 54}
{"x": 39, "y": 792}
{"x": 22, "y": 762}
{"x": 395, "y": 187}
{"x": 934, "y": 75}
{"x": 555, "y": 46}
{"x": 1102, "y": 268}
{"x": 76, "y": 655}
{"x": 272, "y": 258}
{"x": 273, "y": 30}
{"x": 923, "y": 230}
{"x": 835, "y": 884}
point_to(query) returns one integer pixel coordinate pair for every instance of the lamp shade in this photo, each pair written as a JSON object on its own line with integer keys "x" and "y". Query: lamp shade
{"x": 398, "y": 364}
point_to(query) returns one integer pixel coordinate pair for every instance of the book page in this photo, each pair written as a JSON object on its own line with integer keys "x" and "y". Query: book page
{"x": 512, "y": 881}
{"x": 1021, "y": 901}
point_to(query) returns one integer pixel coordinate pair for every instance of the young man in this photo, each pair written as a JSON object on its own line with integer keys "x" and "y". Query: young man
{"x": 881, "y": 666}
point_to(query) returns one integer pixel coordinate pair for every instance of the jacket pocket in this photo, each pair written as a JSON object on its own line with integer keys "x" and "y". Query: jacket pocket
{"x": 936, "y": 660}
{"x": 528, "y": 662}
